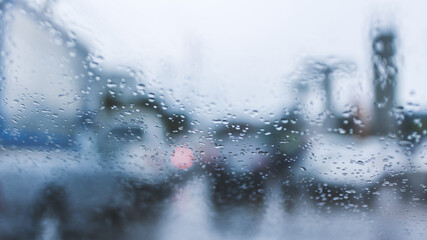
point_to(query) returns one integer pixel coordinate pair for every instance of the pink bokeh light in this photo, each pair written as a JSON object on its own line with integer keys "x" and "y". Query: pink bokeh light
{"x": 182, "y": 157}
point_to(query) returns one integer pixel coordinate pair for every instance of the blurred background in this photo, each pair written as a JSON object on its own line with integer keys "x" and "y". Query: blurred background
{"x": 213, "y": 119}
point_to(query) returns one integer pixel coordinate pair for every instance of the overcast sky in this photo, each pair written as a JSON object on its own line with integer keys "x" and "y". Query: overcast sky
{"x": 240, "y": 54}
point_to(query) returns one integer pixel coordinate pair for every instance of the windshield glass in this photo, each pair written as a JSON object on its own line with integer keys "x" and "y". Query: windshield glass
{"x": 212, "y": 119}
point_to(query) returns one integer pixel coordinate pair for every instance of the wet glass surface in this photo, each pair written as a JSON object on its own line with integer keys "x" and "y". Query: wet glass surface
{"x": 212, "y": 120}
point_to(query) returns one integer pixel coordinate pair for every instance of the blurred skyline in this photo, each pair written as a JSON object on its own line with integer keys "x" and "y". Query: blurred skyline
{"x": 241, "y": 58}
{"x": 240, "y": 54}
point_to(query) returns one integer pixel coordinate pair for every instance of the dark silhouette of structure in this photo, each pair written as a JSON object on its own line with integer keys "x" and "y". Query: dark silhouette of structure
{"x": 385, "y": 79}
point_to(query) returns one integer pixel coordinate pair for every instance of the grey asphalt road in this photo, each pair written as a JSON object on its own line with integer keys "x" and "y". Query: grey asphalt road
{"x": 190, "y": 215}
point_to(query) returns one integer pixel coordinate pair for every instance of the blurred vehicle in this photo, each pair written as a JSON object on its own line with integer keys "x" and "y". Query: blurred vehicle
{"x": 144, "y": 144}
{"x": 239, "y": 171}
{"x": 410, "y": 184}
{"x": 346, "y": 171}
{"x": 124, "y": 172}
{"x": 39, "y": 123}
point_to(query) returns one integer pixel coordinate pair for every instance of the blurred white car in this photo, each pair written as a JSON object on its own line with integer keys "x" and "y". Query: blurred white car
{"x": 345, "y": 170}
{"x": 121, "y": 171}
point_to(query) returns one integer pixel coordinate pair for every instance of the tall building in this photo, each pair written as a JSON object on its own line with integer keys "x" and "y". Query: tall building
{"x": 385, "y": 79}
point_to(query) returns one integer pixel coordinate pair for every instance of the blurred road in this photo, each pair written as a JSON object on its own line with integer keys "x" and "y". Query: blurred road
{"x": 190, "y": 217}
{"x": 189, "y": 214}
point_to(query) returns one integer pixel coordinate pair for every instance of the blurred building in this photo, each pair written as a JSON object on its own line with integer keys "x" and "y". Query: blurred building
{"x": 43, "y": 80}
{"x": 385, "y": 80}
